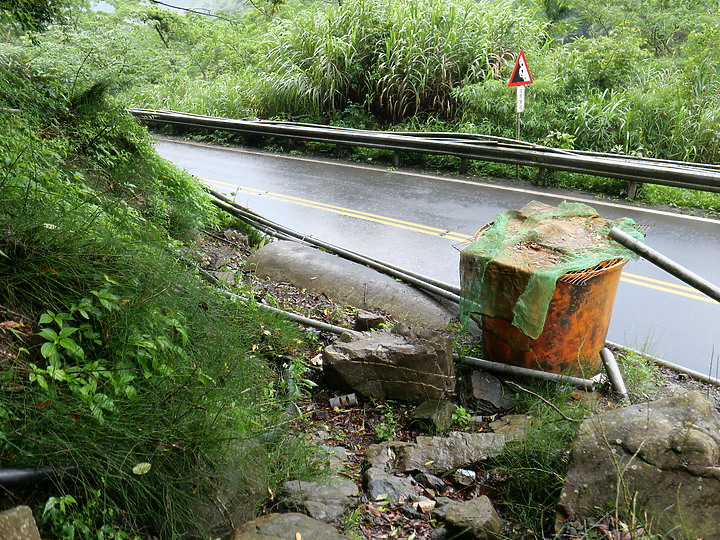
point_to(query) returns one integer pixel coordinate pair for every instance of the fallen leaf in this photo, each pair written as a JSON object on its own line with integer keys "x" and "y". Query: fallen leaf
{"x": 141, "y": 468}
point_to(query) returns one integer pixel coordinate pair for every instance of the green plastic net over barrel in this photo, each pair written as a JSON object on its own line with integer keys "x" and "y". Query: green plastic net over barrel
{"x": 512, "y": 266}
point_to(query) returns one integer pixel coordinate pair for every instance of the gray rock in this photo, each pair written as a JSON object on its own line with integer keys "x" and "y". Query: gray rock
{"x": 411, "y": 364}
{"x": 476, "y": 517}
{"x": 379, "y": 484}
{"x": 18, "y": 524}
{"x": 347, "y": 283}
{"x": 431, "y": 481}
{"x": 320, "y": 501}
{"x": 484, "y": 393}
{"x": 513, "y": 426}
{"x": 658, "y": 460}
{"x": 442, "y": 507}
{"x": 434, "y": 415}
{"x": 236, "y": 237}
{"x": 225, "y": 277}
{"x": 436, "y": 455}
{"x": 337, "y": 456}
{"x": 383, "y": 455}
{"x": 439, "y": 533}
{"x": 464, "y": 477}
{"x": 367, "y": 320}
{"x": 237, "y": 494}
{"x": 286, "y": 527}
{"x": 347, "y": 486}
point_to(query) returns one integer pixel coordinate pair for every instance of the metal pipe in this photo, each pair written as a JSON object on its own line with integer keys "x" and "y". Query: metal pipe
{"x": 664, "y": 363}
{"x": 294, "y": 316}
{"x": 486, "y": 364}
{"x": 419, "y": 281}
{"x": 24, "y": 476}
{"x": 665, "y": 263}
{"x": 516, "y": 371}
{"x": 616, "y": 379}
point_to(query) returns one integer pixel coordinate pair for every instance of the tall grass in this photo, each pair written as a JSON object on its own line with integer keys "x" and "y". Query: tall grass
{"x": 400, "y": 59}
{"x": 126, "y": 365}
{"x": 535, "y": 467}
{"x": 424, "y": 59}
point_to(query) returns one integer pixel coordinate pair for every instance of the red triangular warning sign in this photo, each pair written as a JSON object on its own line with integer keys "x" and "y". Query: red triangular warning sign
{"x": 521, "y": 72}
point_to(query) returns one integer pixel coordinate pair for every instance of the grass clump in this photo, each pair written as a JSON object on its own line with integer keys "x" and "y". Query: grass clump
{"x": 127, "y": 371}
{"x": 534, "y": 468}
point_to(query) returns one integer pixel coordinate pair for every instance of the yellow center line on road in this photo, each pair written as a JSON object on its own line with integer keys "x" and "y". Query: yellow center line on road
{"x": 671, "y": 291}
{"x": 635, "y": 279}
{"x": 384, "y": 220}
{"x": 666, "y": 286}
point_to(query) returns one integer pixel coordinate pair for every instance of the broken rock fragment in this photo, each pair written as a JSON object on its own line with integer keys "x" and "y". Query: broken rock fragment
{"x": 406, "y": 363}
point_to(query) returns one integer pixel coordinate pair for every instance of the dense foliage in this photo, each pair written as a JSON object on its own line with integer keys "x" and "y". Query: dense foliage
{"x": 119, "y": 365}
{"x": 640, "y": 79}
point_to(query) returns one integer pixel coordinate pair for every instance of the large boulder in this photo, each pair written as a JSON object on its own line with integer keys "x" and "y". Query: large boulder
{"x": 405, "y": 363}
{"x": 657, "y": 460}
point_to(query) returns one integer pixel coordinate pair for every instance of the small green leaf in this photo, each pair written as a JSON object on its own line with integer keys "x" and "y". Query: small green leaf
{"x": 67, "y": 331}
{"x": 73, "y": 347}
{"x": 48, "y": 349}
{"x": 49, "y": 334}
{"x": 47, "y": 317}
{"x": 57, "y": 373}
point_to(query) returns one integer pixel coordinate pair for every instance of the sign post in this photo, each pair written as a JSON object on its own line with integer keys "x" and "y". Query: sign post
{"x": 519, "y": 78}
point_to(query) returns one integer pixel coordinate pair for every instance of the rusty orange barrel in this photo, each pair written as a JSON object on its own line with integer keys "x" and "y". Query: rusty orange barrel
{"x": 575, "y": 328}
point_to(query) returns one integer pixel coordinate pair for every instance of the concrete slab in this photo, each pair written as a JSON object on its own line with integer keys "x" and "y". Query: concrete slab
{"x": 349, "y": 283}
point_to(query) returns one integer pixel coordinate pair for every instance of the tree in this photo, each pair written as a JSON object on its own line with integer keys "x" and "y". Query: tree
{"x": 33, "y": 15}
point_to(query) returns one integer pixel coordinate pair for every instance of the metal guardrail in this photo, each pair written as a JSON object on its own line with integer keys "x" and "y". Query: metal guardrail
{"x": 467, "y": 146}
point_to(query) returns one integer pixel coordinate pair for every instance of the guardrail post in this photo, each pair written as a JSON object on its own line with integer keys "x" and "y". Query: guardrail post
{"x": 396, "y": 158}
{"x": 634, "y": 189}
{"x": 540, "y": 177}
{"x": 463, "y": 165}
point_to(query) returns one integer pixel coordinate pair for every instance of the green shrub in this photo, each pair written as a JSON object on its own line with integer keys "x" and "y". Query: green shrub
{"x": 148, "y": 382}
{"x": 398, "y": 59}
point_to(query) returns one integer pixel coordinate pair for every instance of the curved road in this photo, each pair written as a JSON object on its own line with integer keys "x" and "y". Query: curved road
{"x": 420, "y": 222}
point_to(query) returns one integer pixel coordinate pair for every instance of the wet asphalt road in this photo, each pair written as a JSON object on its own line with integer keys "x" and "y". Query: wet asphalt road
{"x": 419, "y": 222}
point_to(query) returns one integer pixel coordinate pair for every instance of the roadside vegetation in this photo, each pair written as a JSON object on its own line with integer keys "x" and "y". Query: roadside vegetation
{"x": 119, "y": 364}
{"x": 639, "y": 80}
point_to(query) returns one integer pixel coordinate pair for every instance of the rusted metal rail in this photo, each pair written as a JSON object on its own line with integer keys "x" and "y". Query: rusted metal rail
{"x": 466, "y": 147}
